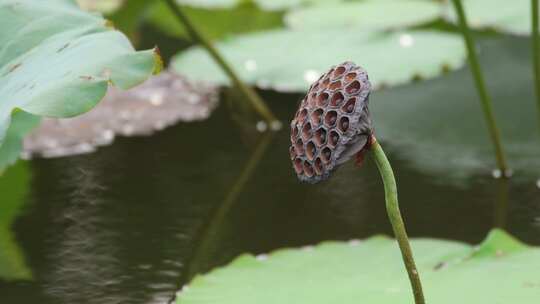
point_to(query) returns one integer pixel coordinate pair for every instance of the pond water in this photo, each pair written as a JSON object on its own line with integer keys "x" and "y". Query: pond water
{"x": 134, "y": 221}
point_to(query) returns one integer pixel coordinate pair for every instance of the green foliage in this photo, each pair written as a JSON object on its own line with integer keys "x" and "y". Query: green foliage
{"x": 212, "y": 4}
{"x": 366, "y": 15}
{"x": 270, "y": 5}
{"x": 21, "y": 124}
{"x": 56, "y": 60}
{"x": 511, "y": 17}
{"x": 13, "y": 187}
{"x": 290, "y": 4}
{"x": 288, "y": 60}
{"x": 130, "y": 16}
{"x": 371, "y": 271}
{"x": 215, "y": 22}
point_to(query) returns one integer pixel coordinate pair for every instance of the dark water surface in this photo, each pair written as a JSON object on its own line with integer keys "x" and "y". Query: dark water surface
{"x": 133, "y": 221}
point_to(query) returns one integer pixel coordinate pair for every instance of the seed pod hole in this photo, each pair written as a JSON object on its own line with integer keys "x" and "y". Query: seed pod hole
{"x": 326, "y": 155}
{"x": 343, "y": 124}
{"x": 333, "y": 139}
{"x": 353, "y": 88}
{"x": 348, "y": 107}
{"x": 330, "y": 118}
{"x": 350, "y": 77}
{"x": 299, "y": 147}
{"x": 298, "y": 166}
{"x": 318, "y": 166}
{"x": 312, "y": 99}
{"x": 320, "y": 137}
{"x": 316, "y": 117}
{"x": 292, "y": 152}
{"x": 322, "y": 100}
{"x": 295, "y": 119}
{"x": 308, "y": 169}
{"x": 294, "y": 132}
{"x": 325, "y": 83}
{"x": 306, "y": 131}
{"x": 311, "y": 150}
{"x": 302, "y": 115}
{"x": 337, "y": 99}
{"x": 339, "y": 71}
{"x": 335, "y": 85}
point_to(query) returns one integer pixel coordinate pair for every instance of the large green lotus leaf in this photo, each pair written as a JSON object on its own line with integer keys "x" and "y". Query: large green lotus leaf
{"x": 371, "y": 271}
{"x": 369, "y": 15}
{"x": 13, "y": 187}
{"x": 512, "y": 17}
{"x": 215, "y": 22}
{"x": 288, "y": 60}
{"x": 439, "y": 128}
{"x": 56, "y": 60}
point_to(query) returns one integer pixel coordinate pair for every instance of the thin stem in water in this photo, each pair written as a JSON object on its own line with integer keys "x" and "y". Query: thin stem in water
{"x": 536, "y": 53}
{"x": 481, "y": 87}
{"x": 256, "y": 101}
{"x": 392, "y": 208}
{"x": 210, "y": 232}
{"x": 211, "y": 229}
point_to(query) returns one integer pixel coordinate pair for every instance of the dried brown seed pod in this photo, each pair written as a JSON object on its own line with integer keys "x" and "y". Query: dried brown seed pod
{"x": 332, "y": 124}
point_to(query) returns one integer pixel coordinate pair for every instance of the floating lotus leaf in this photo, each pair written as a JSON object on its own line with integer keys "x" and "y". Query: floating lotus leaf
{"x": 368, "y": 15}
{"x": 371, "y": 271}
{"x": 513, "y": 17}
{"x": 287, "y": 60}
{"x": 160, "y": 102}
{"x": 57, "y": 60}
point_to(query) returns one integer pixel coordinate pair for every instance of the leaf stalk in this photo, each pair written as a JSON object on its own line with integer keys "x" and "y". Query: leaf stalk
{"x": 536, "y": 53}
{"x": 394, "y": 215}
{"x": 482, "y": 91}
{"x": 249, "y": 94}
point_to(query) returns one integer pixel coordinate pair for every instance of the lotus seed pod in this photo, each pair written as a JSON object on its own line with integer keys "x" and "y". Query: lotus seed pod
{"x": 332, "y": 123}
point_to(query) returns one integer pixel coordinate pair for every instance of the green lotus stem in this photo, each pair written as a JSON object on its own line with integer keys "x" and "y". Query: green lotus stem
{"x": 256, "y": 101}
{"x": 536, "y": 53}
{"x": 481, "y": 88}
{"x": 392, "y": 208}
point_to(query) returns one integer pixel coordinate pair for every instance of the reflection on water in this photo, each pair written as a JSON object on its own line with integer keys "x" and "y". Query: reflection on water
{"x": 208, "y": 237}
{"x": 134, "y": 221}
{"x": 210, "y": 232}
